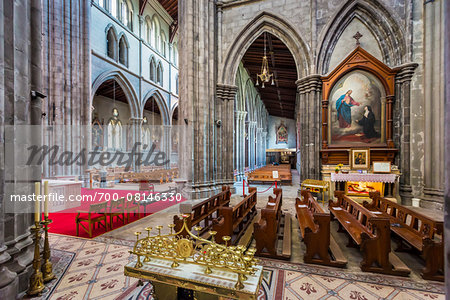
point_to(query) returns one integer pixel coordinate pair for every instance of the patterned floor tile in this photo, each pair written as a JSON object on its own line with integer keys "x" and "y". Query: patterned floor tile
{"x": 353, "y": 291}
{"x": 307, "y": 288}
{"x": 376, "y": 289}
{"x": 330, "y": 283}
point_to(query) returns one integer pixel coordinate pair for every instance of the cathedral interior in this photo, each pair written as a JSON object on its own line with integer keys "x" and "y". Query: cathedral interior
{"x": 224, "y": 149}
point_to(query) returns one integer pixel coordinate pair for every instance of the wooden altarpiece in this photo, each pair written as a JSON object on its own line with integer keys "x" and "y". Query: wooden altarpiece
{"x": 359, "y": 59}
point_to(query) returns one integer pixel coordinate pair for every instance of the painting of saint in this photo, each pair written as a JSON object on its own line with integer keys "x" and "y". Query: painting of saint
{"x": 282, "y": 134}
{"x": 343, "y": 107}
{"x": 357, "y": 110}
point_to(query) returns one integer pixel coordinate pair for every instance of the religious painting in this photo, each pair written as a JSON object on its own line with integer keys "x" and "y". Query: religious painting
{"x": 282, "y": 134}
{"x": 360, "y": 159}
{"x": 357, "y": 110}
{"x": 362, "y": 189}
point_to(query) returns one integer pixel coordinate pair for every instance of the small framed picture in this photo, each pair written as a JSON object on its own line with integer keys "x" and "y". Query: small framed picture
{"x": 360, "y": 159}
{"x": 381, "y": 167}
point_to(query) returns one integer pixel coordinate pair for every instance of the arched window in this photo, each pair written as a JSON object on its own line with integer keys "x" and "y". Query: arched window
{"x": 159, "y": 74}
{"x": 113, "y": 10}
{"x": 102, "y": 3}
{"x": 163, "y": 43}
{"x": 175, "y": 55}
{"x": 152, "y": 69}
{"x": 126, "y": 13}
{"x": 156, "y": 33}
{"x": 111, "y": 43}
{"x": 123, "y": 51}
{"x": 148, "y": 30}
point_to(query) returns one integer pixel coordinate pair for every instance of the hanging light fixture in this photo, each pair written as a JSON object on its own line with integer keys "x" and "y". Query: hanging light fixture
{"x": 265, "y": 75}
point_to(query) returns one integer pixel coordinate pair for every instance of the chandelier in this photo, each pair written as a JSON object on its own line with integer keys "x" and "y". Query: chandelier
{"x": 265, "y": 75}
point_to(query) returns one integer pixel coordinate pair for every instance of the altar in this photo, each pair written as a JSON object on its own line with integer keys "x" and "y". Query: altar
{"x": 383, "y": 183}
{"x": 169, "y": 281}
{"x": 64, "y": 191}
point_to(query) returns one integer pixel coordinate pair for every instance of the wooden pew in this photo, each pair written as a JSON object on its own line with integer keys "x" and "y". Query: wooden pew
{"x": 273, "y": 226}
{"x": 417, "y": 230}
{"x": 204, "y": 211}
{"x": 371, "y": 233}
{"x": 265, "y": 174}
{"x": 314, "y": 223}
{"x": 233, "y": 221}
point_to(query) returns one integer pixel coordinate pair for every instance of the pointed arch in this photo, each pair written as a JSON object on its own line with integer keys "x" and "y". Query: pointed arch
{"x": 148, "y": 30}
{"x": 161, "y": 102}
{"x": 124, "y": 83}
{"x": 172, "y": 111}
{"x": 265, "y": 22}
{"x": 152, "y": 68}
{"x": 111, "y": 41}
{"x": 123, "y": 49}
{"x": 377, "y": 19}
{"x": 159, "y": 73}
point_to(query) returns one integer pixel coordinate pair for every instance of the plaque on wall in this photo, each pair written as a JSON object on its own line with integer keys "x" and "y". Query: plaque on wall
{"x": 381, "y": 167}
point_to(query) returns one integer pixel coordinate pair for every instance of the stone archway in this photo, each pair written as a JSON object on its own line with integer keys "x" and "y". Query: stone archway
{"x": 265, "y": 22}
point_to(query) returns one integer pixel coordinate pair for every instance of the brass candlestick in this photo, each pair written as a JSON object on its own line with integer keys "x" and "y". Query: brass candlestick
{"x": 37, "y": 278}
{"x": 47, "y": 267}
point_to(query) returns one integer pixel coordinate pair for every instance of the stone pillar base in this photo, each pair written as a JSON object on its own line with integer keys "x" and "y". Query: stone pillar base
{"x": 406, "y": 195}
{"x": 432, "y": 199}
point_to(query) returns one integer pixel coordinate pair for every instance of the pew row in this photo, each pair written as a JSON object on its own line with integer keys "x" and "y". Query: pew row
{"x": 204, "y": 212}
{"x": 371, "y": 233}
{"x": 417, "y": 230}
{"x": 273, "y": 227}
{"x": 314, "y": 223}
{"x": 233, "y": 221}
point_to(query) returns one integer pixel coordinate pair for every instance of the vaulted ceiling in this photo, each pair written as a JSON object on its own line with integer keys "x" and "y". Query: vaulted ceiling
{"x": 279, "y": 98}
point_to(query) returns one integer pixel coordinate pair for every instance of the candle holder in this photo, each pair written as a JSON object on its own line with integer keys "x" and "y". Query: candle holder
{"x": 47, "y": 267}
{"x": 37, "y": 279}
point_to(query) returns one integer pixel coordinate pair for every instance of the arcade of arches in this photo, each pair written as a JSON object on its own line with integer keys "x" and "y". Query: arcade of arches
{"x": 337, "y": 112}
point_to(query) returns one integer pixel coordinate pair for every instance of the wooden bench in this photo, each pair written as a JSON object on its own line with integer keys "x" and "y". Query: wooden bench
{"x": 272, "y": 227}
{"x": 265, "y": 174}
{"x": 371, "y": 233}
{"x": 233, "y": 221}
{"x": 203, "y": 212}
{"x": 417, "y": 230}
{"x": 314, "y": 223}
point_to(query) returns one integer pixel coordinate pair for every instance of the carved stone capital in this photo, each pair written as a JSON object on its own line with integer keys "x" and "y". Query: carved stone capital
{"x": 406, "y": 72}
{"x": 309, "y": 83}
{"x": 225, "y": 91}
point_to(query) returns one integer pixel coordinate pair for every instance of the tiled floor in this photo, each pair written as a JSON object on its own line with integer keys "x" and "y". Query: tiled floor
{"x": 96, "y": 272}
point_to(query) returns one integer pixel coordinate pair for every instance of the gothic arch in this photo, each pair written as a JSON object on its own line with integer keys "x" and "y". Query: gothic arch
{"x": 249, "y": 99}
{"x": 162, "y": 105}
{"x": 126, "y": 86}
{"x": 172, "y": 111}
{"x": 377, "y": 19}
{"x": 265, "y": 22}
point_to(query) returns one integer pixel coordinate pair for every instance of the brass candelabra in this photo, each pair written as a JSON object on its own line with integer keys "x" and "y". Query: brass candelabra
{"x": 37, "y": 279}
{"x": 47, "y": 267}
{"x": 184, "y": 246}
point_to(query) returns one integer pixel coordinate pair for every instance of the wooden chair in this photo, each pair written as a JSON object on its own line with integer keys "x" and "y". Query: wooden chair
{"x": 145, "y": 186}
{"x": 132, "y": 206}
{"x": 96, "y": 214}
{"x": 117, "y": 209}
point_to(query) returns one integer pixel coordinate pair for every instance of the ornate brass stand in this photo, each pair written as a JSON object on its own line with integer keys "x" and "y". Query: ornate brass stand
{"x": 37, "y": 279}
{"x": 47, "y": 267}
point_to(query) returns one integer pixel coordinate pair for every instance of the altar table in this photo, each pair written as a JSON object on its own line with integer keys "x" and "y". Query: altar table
{"x": 220, "y": 284}
{"x": 389, "y": 179}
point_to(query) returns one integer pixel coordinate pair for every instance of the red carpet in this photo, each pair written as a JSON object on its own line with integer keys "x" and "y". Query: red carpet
{"x": 64, "y": 221}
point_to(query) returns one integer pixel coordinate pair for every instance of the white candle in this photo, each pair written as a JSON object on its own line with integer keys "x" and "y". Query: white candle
{"x": 46, "y": 198}
{"x": 37, "y": 206}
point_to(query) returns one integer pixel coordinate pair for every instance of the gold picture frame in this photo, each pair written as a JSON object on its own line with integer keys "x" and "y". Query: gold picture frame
{"x": 360, "y": 159}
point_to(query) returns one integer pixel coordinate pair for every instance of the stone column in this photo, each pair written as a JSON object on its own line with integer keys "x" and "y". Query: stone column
{"x": 403, "y": 90}
{"x": 433, "y": 191}
{"x": 264, "y": 146}
{"x": 225, "y": 95}
{"x": 240, "y": 138}
{"x": 309, "y": 89}
{"x": 197, "y": 90}
{"x": 447, "y": 145}
{"x": 136, "y": 133}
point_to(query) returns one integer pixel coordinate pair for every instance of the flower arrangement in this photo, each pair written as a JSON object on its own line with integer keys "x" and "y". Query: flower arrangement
{"x": 338, "y": 168}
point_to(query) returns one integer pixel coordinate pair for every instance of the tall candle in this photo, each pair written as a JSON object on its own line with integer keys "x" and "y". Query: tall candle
{"x": 46, "y": 198}
{"x": 37, "y": 206}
